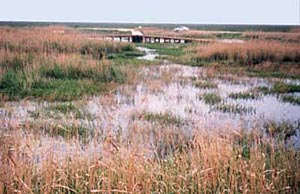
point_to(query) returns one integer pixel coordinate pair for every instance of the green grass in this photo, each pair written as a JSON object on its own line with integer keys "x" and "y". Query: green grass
{"x": 215, "y": 100}
{"x": 234, "y": 108}
{"x": 204, "y": 84}
{"x": 211, "y": 98}
{"x": 270, "y": 73}
{"x": 132, "y": 62}
{"x": 165, "y": 118}
{"x": 166, "y": 48}
{"x": 126, "y": 55}
{"x": 59, "y": 83}
{"x": 176, "y": 53}
{"x": 230, "y": 36}
{"x": 243, "y": 95}
{"x": 62, "y": 90}
{"x": 12, "y": 82}
{"x": 291, "y": 99}
{"x": 58, "y": 72}
{"x": 280, "y": 88}
{"x": 16, "y": 85}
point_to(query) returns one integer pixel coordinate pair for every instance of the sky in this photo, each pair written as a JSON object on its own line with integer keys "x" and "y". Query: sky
{"x": 154, "y": 11}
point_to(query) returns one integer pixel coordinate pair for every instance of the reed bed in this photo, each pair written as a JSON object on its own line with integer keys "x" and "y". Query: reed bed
{"x": 55, "y": 62}
{"x": 52, "y": 40}
{"x": 61, "y": 149}
{"x": 279, "y": 36}
{"x": 206, "y": 162}
{"x": 250, "y": 53}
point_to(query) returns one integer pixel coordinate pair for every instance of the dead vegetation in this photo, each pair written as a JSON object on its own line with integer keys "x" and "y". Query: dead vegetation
{"x": 250, "y": 53}
{"x": 207, "y": 162}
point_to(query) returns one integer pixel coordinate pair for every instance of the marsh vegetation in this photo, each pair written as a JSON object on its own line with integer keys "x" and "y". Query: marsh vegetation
{"x": 79, "y": 115}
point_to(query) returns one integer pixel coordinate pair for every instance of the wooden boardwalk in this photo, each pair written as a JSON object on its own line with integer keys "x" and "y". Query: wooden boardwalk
{"x": 150, "y": 38}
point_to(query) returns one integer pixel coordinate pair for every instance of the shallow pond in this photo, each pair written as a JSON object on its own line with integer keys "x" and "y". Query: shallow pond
{"x": 170, "y": 89}
{"x": 174, "y": 90}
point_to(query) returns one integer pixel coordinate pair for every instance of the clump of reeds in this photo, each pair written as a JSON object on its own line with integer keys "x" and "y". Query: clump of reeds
{"x": 244, "y": 95}
{"x": 211, "y": 98}
{"x": 163, "y": 118}
{"x": 280, "y": 88}
{"x": 204, "y": 84}
{"x": 234, "y": 108}
{"x": 291, "y": 99}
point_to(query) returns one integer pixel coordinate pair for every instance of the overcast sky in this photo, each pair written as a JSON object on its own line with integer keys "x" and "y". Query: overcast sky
{"x": 153, "y": 11}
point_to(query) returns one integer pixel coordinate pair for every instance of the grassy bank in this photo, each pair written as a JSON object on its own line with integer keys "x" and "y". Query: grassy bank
{"x": 58, "y": 63}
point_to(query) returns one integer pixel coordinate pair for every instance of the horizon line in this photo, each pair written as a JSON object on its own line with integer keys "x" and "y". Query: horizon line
{"x": 135, "y": 22}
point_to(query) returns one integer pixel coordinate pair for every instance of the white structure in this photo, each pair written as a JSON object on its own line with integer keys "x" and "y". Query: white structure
{"x": 181, "y": 29}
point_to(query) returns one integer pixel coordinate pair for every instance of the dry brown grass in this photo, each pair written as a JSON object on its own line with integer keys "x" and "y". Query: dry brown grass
{"x": 49, "y": 40}
{"x": 37, "y": 46}
{"x": 38, "y": 39}
{"x": 279, "y": 36}
{"x": 251, "y": 52}
{"x": 46, "y": 157}
{"x": 234, "y": 162}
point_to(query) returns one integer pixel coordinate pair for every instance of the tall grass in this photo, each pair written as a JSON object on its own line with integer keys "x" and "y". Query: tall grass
{"x": 55, "y": 61}
{"x": 250, "y": 53}
{"x": 53, "y": 40}
{"x": 231, "y": 162}
{"x": 279, "y": 36}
